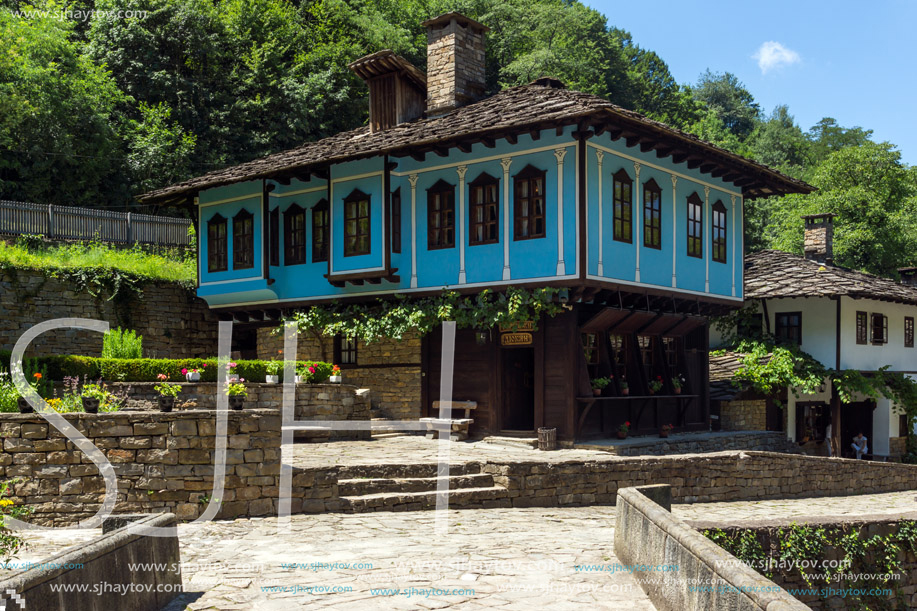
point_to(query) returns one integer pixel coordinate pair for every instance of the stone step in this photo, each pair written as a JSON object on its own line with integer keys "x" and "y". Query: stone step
{"x": 511, "y": 441}
{"x": 381, "y": 431}
{"x": 362, "y": 487}
{"x": 403, "y": 471}
{"x": 468, "y": 498}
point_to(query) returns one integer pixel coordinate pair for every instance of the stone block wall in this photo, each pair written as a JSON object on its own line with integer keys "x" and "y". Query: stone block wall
{"x": 897, "y": 446}
{"x": 390, "y": 369}
{"x": 753, "y": 441}
{"x": 174, "y": 322}
{"x": 749, "y": 415}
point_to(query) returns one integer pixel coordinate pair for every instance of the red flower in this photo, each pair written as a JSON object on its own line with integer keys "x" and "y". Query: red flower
{"x": 627, "y": 424}
{"x": 37, "y": 376}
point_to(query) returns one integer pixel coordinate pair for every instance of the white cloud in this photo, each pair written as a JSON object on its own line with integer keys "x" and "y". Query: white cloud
{"x": 771, "y": 55}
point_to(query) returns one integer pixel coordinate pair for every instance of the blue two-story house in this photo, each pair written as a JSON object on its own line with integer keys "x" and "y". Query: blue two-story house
{"x": 535, "y": 186}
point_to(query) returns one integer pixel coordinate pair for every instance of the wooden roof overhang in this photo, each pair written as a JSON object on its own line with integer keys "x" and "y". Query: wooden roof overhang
{"x": 528, "y": 109}
{"x": 623, "y": 322}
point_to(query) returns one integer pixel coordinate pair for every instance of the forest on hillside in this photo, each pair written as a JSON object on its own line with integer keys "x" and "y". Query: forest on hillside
{"x": 94, "y": 111}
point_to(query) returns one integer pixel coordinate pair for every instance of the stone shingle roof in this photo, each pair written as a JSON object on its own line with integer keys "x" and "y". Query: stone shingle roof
{"x": 538, "y": 105}
{"x": 772, "y": 273}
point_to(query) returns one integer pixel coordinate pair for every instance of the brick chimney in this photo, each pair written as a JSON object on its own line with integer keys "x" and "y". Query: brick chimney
{"x": 908, "y": 275}
{"x": 455, "y": 62}
{"x": 819, "y": 238}
{"x": 396, "y": 88}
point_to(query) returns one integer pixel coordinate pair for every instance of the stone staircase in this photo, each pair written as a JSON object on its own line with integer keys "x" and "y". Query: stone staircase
{"x": 369, "y": 488}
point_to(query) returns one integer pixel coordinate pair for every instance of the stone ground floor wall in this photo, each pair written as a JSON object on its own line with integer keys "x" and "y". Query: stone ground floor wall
{"x": 748, "y": 415}
{"x": 753, "y": 441}
{"x": 173, "y": 321}
{"x": 390, "y": 369}
{"x": 898, "y": 530}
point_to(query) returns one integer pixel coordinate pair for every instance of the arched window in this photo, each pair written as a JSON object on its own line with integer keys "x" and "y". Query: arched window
{"x": 216, "y": 244}
{"x": 695, "y": 226}
{"x": 623, "y": 188}
{"x": 294, "y": 235}
{"x": 440, "y": 216}
{"x": 719, "y": 232}
{"x": 356, "y": 224}
{"x": 320, "y": 231}
{"x": 528, "y": 204}
{"x": 243, "y": 240}
{"x": 652, "y": 214}
{"x": 484, "y": 208}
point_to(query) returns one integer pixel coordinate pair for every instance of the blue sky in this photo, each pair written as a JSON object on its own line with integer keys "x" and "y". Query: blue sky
{"x": 854, "y": 61}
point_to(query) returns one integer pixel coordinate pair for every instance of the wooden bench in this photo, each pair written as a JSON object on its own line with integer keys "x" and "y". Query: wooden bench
{"x": 458, "y": 427}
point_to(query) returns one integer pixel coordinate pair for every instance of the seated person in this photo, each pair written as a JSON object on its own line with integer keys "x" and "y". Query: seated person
{"x": 859, "y": 445}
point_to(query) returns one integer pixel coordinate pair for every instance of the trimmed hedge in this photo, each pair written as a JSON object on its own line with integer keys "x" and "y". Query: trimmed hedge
{"x": 145, "y": 370}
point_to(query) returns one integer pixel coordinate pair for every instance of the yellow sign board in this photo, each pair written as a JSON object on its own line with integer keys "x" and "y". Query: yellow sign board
{"x": 526, "y": 325}
{"x": 516, "y": 339}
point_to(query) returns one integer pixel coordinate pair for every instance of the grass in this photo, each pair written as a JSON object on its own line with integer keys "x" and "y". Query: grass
{"x": 170, "y": 265}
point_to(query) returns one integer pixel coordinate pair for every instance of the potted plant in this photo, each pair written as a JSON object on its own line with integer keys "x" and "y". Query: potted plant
{"x": 623, "y": 430}
{"x": 655, "y": 385}
{"x": 167, "y": 393}
{"x": 335, "y": 375}
{"x": 91, "y": 395}
{"x": 192, "y": 375}
{"x": 677, "y": 383}
{"x": 272, "y": 372}
{"x": 625, "y": 389}
{"x": 237, "y": 393}
{"x": 598, "y": 384}
{"x": 665, "y": 429}
{"x": 22, "y": 403}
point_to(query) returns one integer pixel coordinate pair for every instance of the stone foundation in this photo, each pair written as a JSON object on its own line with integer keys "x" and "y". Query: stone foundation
{"x": 750, "y": 415}
{"x": 752, "y": 441}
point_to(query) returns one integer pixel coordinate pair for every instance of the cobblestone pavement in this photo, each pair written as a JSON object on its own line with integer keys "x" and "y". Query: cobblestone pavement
{"x": 505, "y": 558}
{"x": 42, "y": 544}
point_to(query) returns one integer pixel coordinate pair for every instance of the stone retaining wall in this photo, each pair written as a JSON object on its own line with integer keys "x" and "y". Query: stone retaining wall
{"x": 703, "y": 576}
{"x": 768, "y": 533}
{"x": 174, "y": 322}
{"x": 105, "y": 561}
{"x": 750, "y": 415}
{"x": 751, "y": 441}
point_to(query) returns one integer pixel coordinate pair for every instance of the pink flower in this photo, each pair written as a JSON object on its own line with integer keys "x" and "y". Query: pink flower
{"x": 241, "y": 379}
{"x": 162, "y": 376}
{"x": 184, "y": 371}
{"x": 311, "y": 369}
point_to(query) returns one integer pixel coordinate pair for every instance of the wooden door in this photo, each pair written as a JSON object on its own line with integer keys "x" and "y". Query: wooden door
{"x": 518, "y": 389}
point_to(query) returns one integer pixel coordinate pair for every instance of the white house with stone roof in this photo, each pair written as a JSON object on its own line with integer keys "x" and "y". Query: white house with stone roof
{"x": 845, "y": 320}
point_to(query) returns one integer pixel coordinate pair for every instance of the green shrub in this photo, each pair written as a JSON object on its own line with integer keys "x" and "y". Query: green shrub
{"x": 118, "y": 344}
{"x": 315, "y": 372}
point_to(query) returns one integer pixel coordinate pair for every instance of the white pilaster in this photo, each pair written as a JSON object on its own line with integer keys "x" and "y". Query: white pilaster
{"x": 561, "y": 266}
{"x": 505, "y": 163}
{"x": 413, "y": 180}
{"x": 674, "y": 229}
{"x": 461, "y": 221}
{"x": 636, "y": 214}
{"x": 705, "y": 234}
{"x": 599, "y": 158}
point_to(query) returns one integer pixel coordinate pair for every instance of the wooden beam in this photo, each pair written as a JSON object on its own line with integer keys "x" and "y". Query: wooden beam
{"x": 647, "y": 145}
{"x": 240, "y": 316}
{"x": 679, "y": 156}
{"x": 535, "y": 134}
{"x": 632, "y": 140}
{"x": 489, "y": 142}
{"x": 663, "y": 151}
{"x": 731, "y": 176}
{"x": 465, "y": 147}
{"x": 718, "y": 172}
{"x": 694, "y": 162}
{"x": 421, "y": 157}
{"x": 512, "y": 138}
{"x": 705, "y": 168}
{"x": 615, "y": 133}
{"x": 442, "y": 151}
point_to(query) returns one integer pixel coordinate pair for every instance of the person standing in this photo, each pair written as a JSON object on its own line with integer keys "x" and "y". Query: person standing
{"x": 859, "y": 445}
{"x": 829, "y": 440}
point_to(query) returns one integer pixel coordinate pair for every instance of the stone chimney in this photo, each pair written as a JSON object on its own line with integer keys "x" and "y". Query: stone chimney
{"x": 819, "y": 238}
{"x": 396, "y": 89}
{"x": 455, "y": 62}
{"x": 908, "y": 275}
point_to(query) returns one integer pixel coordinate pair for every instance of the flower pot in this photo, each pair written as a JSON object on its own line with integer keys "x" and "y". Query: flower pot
{"x": 625, "y": 392}
{"x": 193, "y": 376}
{"x": 335, "y": 379}
{"x": 90, "y": 406}
{"x": 236, "y": 402}
{"x": 652, "y": 392}
{"x": 166, "y": 403}
{"x": 299, "y": 379}
{"x": 597, "y": 392}
{"x": 24, "y": 406}
{"x": 677, "y": 391}
{"x": 272, "y": 379}
{"x": 622, "y": 435}
{"x": 663, "y": 433}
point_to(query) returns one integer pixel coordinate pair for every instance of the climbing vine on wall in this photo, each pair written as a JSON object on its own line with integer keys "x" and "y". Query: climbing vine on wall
{"x": 395, "y": 317}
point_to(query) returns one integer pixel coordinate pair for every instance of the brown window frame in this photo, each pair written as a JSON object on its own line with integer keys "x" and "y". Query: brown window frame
{"x": 294, "y": 238}
{"x": 321, "y": 222}
{"x": 396, "y": 221}
{"x": 652, "y": 215}
{"x": 718, "y": 235}
{"x": 780, "y": 323}
{"x": 880, "y": 338}
{"x": 862, "y": 328}
{"x": 345, "y": 351}
{"x": 590, "y": 343}
{"x": 617, "y": 348}
{"x": 243, "y": 242}
{"x": 274, "y": 237}
{"x": 908, "y": 331}
{"x": 480, "y": 205}
{"x": 528, "y": 178}
{"x": 695, "y": 226}
{"x": 217, "y": 245}
{"x": 623, "y": 207}
{"x": 441, "y": 216}
{"x": 357, "y": 224}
